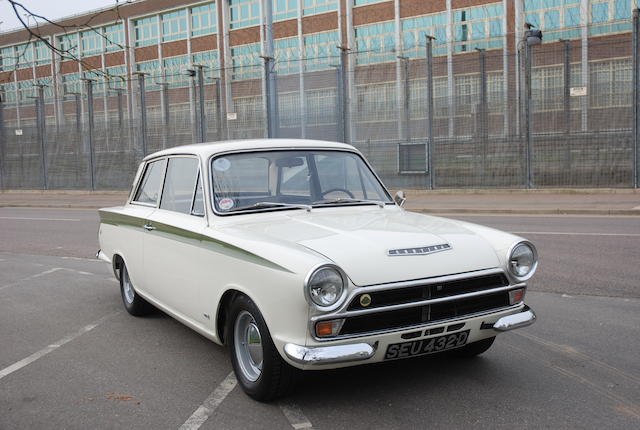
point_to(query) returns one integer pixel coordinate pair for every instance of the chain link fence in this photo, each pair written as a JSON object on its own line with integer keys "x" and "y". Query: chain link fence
{"x": 561, "y": 114}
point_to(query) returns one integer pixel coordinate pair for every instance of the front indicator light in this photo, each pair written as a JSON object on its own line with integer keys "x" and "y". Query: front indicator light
{"x": 329, "y": 328}
{"x": 516, "y": 296}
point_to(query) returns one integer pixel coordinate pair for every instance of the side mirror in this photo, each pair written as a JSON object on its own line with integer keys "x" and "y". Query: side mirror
{"x": 400, "y": 198}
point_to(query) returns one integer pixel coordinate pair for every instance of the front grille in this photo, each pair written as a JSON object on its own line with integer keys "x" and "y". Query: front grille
{"x": 408, "y": 317}
{"x": 417, "y": 315}
{"x": 399, "y": 296}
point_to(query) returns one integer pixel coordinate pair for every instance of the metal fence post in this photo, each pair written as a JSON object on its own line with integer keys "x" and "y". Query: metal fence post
{"x": 119, "y": 91}
{"x": 164, "y": 94}
{"x": 221, "y": 114}
{"x": 344, "y": 89}
{"x": 483, "y": 114}
{"x": 636, "y": 91}
{"x": 567, "y": 103}
{"x": 430, "y": 144}
{"x": 527, "y": 117}
{"x": 407, "y": 98}
{"x": 202, "y": 125}
{"x": 271, "y": 92}
{"x": 90, "y": 124}
{"x": 340, "y": 120}
{"x": 143, "y": 113}
{"x": 2, "y": 140}
{"x": 41, "y": 134}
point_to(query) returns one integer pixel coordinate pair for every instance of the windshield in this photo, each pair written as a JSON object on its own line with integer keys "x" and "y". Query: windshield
{"x": 269, "y": 180}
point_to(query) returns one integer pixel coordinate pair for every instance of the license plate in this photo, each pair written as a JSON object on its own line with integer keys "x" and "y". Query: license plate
{"x": 426, "y": 346}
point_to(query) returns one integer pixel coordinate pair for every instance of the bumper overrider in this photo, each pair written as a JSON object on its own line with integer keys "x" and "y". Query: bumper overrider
{"x": 346, "y": 353}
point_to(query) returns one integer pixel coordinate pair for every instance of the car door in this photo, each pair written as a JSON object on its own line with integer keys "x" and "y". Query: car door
{"x": 144, "y": 202}
{"x": 172, "y": 250}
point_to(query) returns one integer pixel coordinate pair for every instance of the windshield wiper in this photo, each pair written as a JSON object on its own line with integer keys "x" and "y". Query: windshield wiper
{"x": 348, "y": 200}
{"x": 273, "y": 204}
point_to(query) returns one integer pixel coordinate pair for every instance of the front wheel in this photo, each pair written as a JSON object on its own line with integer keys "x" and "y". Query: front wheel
{"x": 259, "y": 368}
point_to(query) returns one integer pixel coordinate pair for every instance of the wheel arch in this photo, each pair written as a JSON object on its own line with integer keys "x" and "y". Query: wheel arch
{"x": 223, "y": 308}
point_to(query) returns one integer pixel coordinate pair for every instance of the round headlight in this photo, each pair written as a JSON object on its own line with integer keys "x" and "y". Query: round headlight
{"x": 523, "y": 260}
{"x": 325, "y": 287}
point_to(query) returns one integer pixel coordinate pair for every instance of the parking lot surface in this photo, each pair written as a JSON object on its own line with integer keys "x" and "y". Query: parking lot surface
{"x": 71, "y": 357}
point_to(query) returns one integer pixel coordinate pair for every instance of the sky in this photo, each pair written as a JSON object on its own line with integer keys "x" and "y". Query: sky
{"x": 52, "y": 9}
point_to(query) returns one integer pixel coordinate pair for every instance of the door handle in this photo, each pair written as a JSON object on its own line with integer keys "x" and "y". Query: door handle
{"x": 148, "y": 227}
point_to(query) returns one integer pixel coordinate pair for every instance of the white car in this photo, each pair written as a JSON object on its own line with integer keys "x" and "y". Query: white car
{"x": 294, "y": 254}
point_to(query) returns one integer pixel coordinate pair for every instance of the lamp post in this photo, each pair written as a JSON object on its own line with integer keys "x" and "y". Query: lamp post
{"x": 531, "y": 37}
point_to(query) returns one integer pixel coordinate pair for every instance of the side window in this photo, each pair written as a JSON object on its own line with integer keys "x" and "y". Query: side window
{"x": 149, "y": 189}
{"x": 179, "y": 185}
{"x": 198, "y": 199}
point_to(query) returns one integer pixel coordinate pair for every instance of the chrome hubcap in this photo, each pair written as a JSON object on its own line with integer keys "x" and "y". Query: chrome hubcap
{"x": 248, "y": 346}
{"x": 127, "y": 288}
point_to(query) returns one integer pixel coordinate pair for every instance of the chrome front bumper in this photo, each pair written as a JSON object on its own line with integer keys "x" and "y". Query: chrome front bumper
{"x": 330, "y": 354}
{"x": 362, "y": 351}
{"x": 519, "y": 320}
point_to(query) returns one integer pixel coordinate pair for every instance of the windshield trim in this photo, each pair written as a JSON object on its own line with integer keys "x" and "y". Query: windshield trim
{"x": 289, "y": 148}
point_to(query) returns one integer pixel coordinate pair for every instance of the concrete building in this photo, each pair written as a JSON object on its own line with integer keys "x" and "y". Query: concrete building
{"x": 163, "y": 38}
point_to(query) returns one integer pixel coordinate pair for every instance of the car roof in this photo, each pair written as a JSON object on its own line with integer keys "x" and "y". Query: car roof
{"x": 206, "y": 150}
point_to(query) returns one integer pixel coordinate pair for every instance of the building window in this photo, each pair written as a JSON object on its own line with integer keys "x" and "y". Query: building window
{"x": 311, "y": 7}
{"x": 203, "y": 20}
{"x": 478, "y": 27}
{"x": 245, "y": 61}
{"x": 211, "y": 61}
{"x": 610, "y": 83}
{"x": 146, "y": 31}
{"x": 24, "y": 55}
{"x": 71, "y": 83}
{"x": 43, "y": 53}
{"x": 8, "y": 93}
{"x": 26, "y": 91}
{"x": 285, "y": 9}
{"x": 559, "y": 19}
{"x": 91, "y": 43}
{"x": 287, "y": 54}
{"x": 376, "y": 102}
{"x": 68, "y": 45}
{"x": 244, "y": 13}
{"x": 117, "y": 77}
{"x": 174, "y": 25}
{"x": 173, "y": 71}
{"x": 321, "y": 50}
{"x": 7, "y": 58}
{"x": 363, "y": 2}
{"x": 610, "y": 16}
{"x": 114, "y": 37}
{"x": 415, "y": 31}
{"x": 153, "y": 74}
{"x": 321, "y": 106}
{"x": 376, "y": 43}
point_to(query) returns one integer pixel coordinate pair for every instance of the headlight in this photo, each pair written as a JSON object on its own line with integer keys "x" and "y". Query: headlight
{"x": 325, "y": 287}
{"x": 523, "y": 260}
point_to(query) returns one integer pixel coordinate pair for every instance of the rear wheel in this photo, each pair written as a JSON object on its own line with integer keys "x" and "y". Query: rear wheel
{"x": 133, "y": 303}
{"x": 473, "y": 349}
{"x": 259, "y": 368}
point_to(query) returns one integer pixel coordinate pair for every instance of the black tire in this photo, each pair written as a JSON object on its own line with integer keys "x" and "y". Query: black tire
{"x": 473, "y": 349}
{"x": 133, "y": 303}
{"x": 275, "y": 377}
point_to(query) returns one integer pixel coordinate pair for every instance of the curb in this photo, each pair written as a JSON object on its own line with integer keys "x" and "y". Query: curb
{"x": 550, "y": 211}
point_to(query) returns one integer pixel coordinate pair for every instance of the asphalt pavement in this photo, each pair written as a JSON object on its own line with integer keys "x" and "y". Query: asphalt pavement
{"x": 71, "y": 357}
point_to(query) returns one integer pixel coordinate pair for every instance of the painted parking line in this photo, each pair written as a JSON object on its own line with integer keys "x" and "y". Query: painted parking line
{"x": 211, "y": 403}
{"x": 52, "y": 347}
{"x": 295, "y": 416}
{"x": 559, "y": 233}
{"x": 18, "y": 218}
{"x": 41, "y": 274}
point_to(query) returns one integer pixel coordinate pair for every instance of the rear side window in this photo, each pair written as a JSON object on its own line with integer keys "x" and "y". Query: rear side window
{"x": 180, "y": 184}
{"x": 149, "y": 189}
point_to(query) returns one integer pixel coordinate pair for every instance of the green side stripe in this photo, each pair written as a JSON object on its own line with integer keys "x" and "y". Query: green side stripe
{"x": 189, "y": 237}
